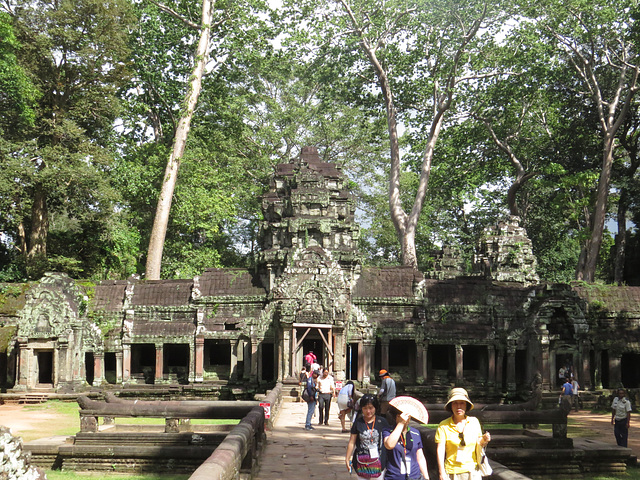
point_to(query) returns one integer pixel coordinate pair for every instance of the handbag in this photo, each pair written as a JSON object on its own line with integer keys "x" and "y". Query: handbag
{"x": 368, "y": 467}
{"x": 305, "y": 395}
{"x": 483, "y": 462}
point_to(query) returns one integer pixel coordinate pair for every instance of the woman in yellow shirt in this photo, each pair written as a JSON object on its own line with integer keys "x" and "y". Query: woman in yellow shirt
{"x": 457, "y": 437}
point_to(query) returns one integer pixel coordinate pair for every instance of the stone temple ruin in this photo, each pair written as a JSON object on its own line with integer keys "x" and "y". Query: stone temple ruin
{"x": 231, "y": 332}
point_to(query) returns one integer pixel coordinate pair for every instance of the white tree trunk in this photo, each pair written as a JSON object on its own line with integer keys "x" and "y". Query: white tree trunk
{"x": 161, "y": 220}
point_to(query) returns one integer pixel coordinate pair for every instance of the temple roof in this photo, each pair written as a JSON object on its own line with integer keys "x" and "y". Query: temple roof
{"x": 226, "y": 281}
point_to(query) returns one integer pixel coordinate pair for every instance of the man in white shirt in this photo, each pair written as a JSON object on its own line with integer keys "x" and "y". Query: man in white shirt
{"x": 326, "y": 389}
{"x": 621, "y": 417}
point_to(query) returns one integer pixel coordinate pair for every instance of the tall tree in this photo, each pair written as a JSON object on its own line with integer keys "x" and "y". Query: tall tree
{"x": 595, "y": 39}
{"x": 74, "y": 53}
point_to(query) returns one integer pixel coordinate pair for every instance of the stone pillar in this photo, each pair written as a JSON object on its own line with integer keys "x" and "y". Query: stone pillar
{"x": 199, "y": 360}
{"x": 597, "y": 368}
{"x": 421, "y": 361}
{"x": 553, "y": 373}
{"x": 615, "y": 370}
{"x": 499, "y": 366}
{"x": 511, "y": 368}
{"x": 119, "y": 367}
{"x": 459, "y": 365}
{"x": 259, "y": 362}
{"x": 491, "y": 367}
{"x": 545, "y": 367}
{"x": 285, "y": 353}
{"x": 384, "y": 353}
{"x": 61, "y": 371}
{"x": 255, "y": 358}
{"x": 159, "y": 363}
{"x": 339, "y": 355}
{"x": 233, "y": 364}
{"x": 126, "y": 362}
{"x": 248, "y": 359}
{"x": 22, "y": 380}
{"x": 585, "y": 376}
{"x": 369, "y": 349}
{"x": 98, "y": 368}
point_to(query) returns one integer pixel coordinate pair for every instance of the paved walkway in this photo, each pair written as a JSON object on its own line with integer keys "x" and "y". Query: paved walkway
{"x": 294, "y": 453}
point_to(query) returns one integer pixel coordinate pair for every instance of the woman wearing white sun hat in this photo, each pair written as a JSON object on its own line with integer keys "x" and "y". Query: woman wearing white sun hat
{"x": 457, "y": 438}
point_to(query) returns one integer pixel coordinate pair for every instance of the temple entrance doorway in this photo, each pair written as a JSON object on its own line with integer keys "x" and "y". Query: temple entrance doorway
{"x": 352, "y": 361}
{"x": 317, "y": 338}
{"x": 45, "y": 367}
{"x": 629, "y": 370}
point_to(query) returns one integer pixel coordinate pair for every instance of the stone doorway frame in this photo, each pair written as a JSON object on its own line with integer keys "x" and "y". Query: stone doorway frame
{"x": 327, "y": 340}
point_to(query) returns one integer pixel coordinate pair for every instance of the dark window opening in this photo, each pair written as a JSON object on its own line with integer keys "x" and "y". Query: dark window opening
{"x": 230, "y": 326}
{"x": 219, "y": 352}
{"x": 89, "y": 367}
{"x": 400, "y": 353}
{"x": 110, "y": 374}
{"x": 521, "y": 369}
{"x": 268, "y": 362}
{"x": 440, "y": 356}
{"x": 176, "y": 361}
{"x": 45, "y": 367}
{"x": 352, "y": 361}
{"x": 473, "y": 357}
{"x": 143, "y": 361}
{"x": 630, "y": 370}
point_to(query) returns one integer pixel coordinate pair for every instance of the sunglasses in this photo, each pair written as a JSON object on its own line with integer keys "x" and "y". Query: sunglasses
{"x": 462, "y": 442}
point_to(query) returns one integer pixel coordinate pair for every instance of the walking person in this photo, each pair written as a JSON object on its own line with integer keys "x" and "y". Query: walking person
{"x": 457, "y": 438}
{"x": 387, "y": 390}
{"x": 566, "y": 395}
{"x": 365, "y": 451}
{"x": 621, "y": 418}
{"x": 405, "y": 455}
{"x": 309, "y": 396}
{"x": 326, "y": 390}
{"x": 345, "y": 403}
{"x": 576, "y": 394}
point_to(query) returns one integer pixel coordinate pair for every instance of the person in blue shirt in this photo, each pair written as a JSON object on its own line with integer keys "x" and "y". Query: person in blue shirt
{"x": 310, "y": 389}
{"x": 566, "y": 396}
{"x": 405, "y": 457}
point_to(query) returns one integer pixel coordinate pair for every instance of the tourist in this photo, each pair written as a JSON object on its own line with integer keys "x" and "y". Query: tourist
{"x": 457, "y": 438}
{"x": 621, "y": 418}
{"x": 566, "y": 395}
{"x": 345, "y": 403}
{"x": 310, "y": 357}
{"x": 326, "y": 390}
{"x": 405, "y": 457}
{"x": 387, "y": 390}
{"x": 576, "y": 393}
{"x": 304, "y": 375}
{"x": 365, "y": 452}
{"x": 309, "y": 396}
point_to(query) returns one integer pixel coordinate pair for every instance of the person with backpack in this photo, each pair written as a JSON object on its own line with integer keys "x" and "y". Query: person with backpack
{"x": 309, "y": 396}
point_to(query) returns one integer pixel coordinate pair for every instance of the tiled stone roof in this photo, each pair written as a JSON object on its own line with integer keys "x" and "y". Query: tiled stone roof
{"x": 164, "y": 329}
{"x": 610, "y": 297}
{"x": 226, "y": 281}
{"x": 162, "y": 293}
{"x": 109, "y": 295}
{"x": 387, "y": 282}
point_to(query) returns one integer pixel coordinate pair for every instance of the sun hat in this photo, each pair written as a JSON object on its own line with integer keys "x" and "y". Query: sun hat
{"x": 458, "y": 394}
{"x": 413, "y": 407}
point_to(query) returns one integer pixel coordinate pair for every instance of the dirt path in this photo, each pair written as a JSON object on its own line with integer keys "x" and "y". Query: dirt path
{"x": 27, "y": 423}
{"x": 600, "y": 423}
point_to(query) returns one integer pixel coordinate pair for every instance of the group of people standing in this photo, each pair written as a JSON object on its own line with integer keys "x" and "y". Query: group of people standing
{"x": 387, "y": 448}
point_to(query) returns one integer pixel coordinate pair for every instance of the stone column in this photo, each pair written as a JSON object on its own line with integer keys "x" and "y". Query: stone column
{"x": 248, "y": 359}
{"x": 259, "y": 363}
{"x": 615, "y": 370}
{"x": 98, "y": 368}
{"x": 126, "y": 362}
{"x": 597, "y": 368}
{"x": 61, "y": 371}
{"x": 254, "y": 360}
{"x": 233, "y": 363}
{"x": 285, "y": 352}
{"x": 159, "y": 363}
{"x": 553, "y": 373}
{"x": 511, "y": 368}
{"x": 499, "y": 366}
{"x": 545, "y": 367}
{"x": 491, "y": 365}
{"x": 584, "y": 379}
{"x": 384, "y": 353}
{"x": 199, "y": 360}
{"x": 369, "y": 349}
{"x": 421, "y": 361}
{"x": 119, "y": 367}
{"x": 22, "y": 380}
{"x": 339, "y": 355}
{"x": 459, "y": 365}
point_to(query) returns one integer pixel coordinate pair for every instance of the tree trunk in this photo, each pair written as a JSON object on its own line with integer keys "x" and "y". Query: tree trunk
{"x": 37, "y": 249}
{"x": 161, "y": 220}
{"x": 621, "y": 238}
{"x": 600, "y": 212}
